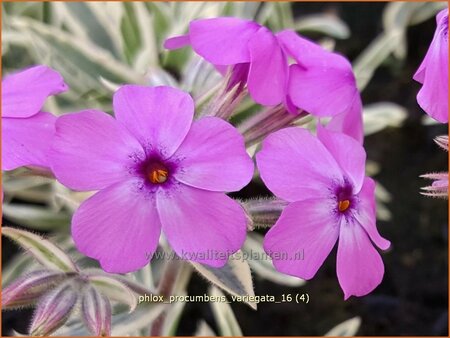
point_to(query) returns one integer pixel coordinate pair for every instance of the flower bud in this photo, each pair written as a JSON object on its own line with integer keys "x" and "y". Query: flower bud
{"x": 439, "y": 187}
{"x": 442, "y": 141}
{"x": 54, "y": 310}
{"x": 263, "y": 212}
{"x": 96, "y": 311}
{"x": 267, "y": 121}
{"x": 26, "y": 290}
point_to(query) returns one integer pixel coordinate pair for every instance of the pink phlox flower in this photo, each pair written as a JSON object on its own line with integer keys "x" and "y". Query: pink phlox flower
{"x": 331, "y": 201}
{"x": 155, "y": 169}
{"x": 433, "y": 73}
{"x": 318, "y": 81}
{"x": 26, "y": 130}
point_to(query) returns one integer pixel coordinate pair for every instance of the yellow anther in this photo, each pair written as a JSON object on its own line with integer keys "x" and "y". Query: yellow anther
{"x": 343, "y": 205}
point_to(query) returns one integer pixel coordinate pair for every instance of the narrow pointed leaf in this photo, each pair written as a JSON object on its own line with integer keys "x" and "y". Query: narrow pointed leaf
{"x": 114, "y": 290}
{"x": 235, "y": 277}
{"x": 45, "y": 252}
{"x": 346, "y": 329}
{"x": 226, "y": 320}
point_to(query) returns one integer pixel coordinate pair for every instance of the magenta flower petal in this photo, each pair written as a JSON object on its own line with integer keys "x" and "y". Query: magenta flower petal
{"x": 433, "y": 73}
{"x": 201, "y": 226}
{"x": 322, "y": 90}
{"x": 119, "y": 226}
{"x": 295, "y": 165}
{"x": 214, "y": 157}
{"x": 347, "y": 152}
{"x": 177, "y": 42}
{"x": 359, "y": 265}
{"x": 366, "y": 215}
{"x": 267, "y": 61}
{"x": 24, "y": 92}
{"x": 159, "y": 117}
{"x": 322, "y": 83}
{"x": 22, "y": 147}
{"x": 92, "y": 151}
{"x": 350, "y": 122}
{"x": 222, "y": 41}
{"x": 302, "y": 238}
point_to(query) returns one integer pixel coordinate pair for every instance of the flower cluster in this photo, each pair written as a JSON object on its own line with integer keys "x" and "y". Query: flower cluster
{"x": 157, "y": 170}
{"x": 319, "y": 82}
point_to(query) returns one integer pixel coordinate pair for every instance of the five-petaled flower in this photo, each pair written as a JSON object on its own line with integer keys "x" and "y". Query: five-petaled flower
{"x": 433, "y": 73}
{"x": 155, "y": 169}
{"x": 319, "y": 82}
{"x": 26, "y": 130}
{"x": 330, "y": 198}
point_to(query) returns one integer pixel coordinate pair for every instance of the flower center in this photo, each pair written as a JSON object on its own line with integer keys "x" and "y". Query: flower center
{"x": 157, "y": 173}
{"x": 343, "y": 205}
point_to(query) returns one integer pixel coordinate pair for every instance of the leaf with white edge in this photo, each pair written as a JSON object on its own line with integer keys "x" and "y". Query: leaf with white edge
{"x": 135, "y": 286}
{"x": 36, "y": 217}
{"x": 123, "y": 324}
{"x": 380, "y": 115}
{"x": 426, "y": 11}
{"x": 204, "y": 330}
{"x": 345, "y": 329}
{"x": 115, "y": 290}
{"x": 17, "y": 266}
{"x": 397, "y": 15}
{"x": 262, "y": 265}
{"x": 374, "y": 55}
{"x": 323, "y": 23}
{"x": 235, "y": 277}
{"x": 45, "y": 252}
{"x": 225, "y": 318}
{"x": 174, "y": 313}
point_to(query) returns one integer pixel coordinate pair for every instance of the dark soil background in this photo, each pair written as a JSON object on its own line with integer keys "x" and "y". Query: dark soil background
{"x": 413, "y": 298}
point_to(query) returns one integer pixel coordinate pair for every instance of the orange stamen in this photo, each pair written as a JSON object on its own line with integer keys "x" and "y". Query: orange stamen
{"x": 343, "y": 205}
{"x": 158, "y": 175}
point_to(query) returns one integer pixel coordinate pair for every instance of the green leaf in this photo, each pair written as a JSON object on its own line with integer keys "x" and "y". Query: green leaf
{"x": 36, "y": 217}
{"x": 204, "y": 330}
{"x": 262, "y": 265}
{"x": 225, "y": 318}
{"x": 345, "y": 329}
{"x": 374, "y": 55}
{"x": 380, "y": 115}
{"x": 45, "y": 252}
{"x": 323, "y": 23}
{"x": 93, "y": 21}
{"x": 235, "y": 277}
{"x": 174, "y": 315}
{"x": 114, "y": 289}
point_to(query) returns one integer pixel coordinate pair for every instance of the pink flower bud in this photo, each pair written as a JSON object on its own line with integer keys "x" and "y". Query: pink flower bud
{"x": 54, "y": 310}
{"x": 96, "y": 310}
{"x": 26, "y": 290}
